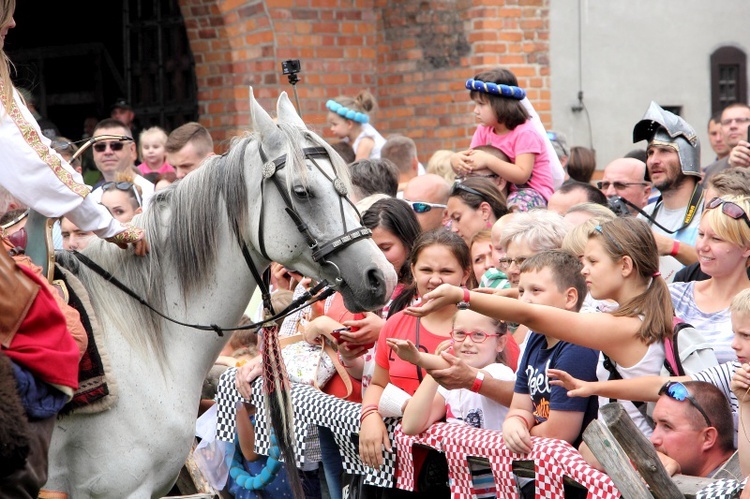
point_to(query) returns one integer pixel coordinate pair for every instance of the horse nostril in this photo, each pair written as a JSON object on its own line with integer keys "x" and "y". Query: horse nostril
{"x": 376, "y": 280}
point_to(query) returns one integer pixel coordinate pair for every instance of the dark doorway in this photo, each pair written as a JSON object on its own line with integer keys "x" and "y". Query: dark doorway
{"x": 78, "y": 58}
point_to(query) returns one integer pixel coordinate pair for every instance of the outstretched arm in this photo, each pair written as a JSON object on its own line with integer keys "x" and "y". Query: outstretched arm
{"x": 564, "y": 325}
{"x": 406, "y": 350}
{"x": 644, "y": 388}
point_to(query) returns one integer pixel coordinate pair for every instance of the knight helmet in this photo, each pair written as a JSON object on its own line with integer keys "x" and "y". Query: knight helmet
{"x": 661, "y": 127}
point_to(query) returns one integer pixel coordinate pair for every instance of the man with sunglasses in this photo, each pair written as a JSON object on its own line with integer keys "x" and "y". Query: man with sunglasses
{"x": 428, "y": 197}
{"x": 116, "y": 155}
{"x": 694, "y": 428}
{"x": 626, "y": 178}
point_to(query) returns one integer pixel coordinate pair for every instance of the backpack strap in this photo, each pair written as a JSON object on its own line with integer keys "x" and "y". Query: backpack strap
{"x": 610, "y": 366}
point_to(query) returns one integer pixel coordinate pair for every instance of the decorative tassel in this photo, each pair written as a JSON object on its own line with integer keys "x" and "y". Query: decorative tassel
{"x": 276, "y": 391}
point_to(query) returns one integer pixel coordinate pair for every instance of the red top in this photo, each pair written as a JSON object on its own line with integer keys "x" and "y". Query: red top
{"x": 43, "y": 344}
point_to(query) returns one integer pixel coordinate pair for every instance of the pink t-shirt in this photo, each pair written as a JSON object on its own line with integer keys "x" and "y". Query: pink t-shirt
{"x": 165, "y": 168}
{"x": 404, "y": 327}
{"x": 523, "y": 139}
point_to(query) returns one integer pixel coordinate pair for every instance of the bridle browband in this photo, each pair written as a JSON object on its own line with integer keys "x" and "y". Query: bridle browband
{"x": 319, "y": 251}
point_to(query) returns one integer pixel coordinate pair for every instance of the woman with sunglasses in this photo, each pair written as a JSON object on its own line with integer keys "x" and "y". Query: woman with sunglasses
{"x": 474, "y": 204}
{"x": 122, "y": 198}
{"x": 723, "y": 247}
{"x": 36, "y": 174}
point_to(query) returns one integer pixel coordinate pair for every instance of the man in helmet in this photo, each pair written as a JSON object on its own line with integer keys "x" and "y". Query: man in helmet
{"x": 674, "y": 168}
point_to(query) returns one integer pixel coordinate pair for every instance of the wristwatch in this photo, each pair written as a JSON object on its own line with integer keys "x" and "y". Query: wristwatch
{"x": 464, "y": 303}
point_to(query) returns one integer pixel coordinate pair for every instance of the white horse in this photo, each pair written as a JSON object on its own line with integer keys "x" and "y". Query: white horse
{"x": 196, "y": 273}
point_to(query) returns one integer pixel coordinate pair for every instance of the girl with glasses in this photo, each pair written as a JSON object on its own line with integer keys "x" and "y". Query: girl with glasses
{"x": 480, "y": 342}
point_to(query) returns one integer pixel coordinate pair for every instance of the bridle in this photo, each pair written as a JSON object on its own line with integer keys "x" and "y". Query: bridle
{"x": 320, "y": 252}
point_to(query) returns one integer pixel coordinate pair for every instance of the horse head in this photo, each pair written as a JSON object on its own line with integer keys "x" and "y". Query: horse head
{"x": 304, "y": 181}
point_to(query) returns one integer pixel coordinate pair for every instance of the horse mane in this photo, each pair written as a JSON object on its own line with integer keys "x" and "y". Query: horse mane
{"x": 182, "y": 225}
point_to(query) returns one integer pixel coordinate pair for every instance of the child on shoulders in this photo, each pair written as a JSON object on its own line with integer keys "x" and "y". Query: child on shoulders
{"x": 505, "y": 123}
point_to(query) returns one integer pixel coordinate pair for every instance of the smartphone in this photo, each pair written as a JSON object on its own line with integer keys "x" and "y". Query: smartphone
{"x": 336, "y": 333}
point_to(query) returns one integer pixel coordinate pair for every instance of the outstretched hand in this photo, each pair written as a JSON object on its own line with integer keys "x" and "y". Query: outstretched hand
{"x": 405, "y": 349}
{"x": 445, "y": 294}
{"x": 575, "y": 387}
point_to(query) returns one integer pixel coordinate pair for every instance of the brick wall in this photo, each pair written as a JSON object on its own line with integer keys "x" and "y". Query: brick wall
{"x": 414, "y": 56}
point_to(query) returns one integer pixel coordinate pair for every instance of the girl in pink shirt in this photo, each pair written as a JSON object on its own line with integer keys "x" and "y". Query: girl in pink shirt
{"x": 505, "y": 122}
{"x": 152, "y": 141}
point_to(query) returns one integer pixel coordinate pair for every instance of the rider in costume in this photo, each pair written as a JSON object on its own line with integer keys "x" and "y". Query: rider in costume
{"x": 37, "y": 175}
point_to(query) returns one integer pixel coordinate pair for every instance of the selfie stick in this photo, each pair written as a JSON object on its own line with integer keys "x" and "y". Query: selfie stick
{"x": 293, "y": 80}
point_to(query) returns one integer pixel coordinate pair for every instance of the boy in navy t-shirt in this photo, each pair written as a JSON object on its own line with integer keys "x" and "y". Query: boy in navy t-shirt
{"x": 551, "y": 278}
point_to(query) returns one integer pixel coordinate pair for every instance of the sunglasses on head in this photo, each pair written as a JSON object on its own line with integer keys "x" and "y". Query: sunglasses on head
{"x": 424, "y": 207}
{"x": 115, "y": 146}
{"x": 679, "y": 392}
{"x": 123, "y": 186}
{"x": 730, "y": 209}
{"x": 458, "y": 186}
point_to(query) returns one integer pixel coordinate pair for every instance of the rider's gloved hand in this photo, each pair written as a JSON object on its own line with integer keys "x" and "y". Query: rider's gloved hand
{"x": 131, "y": 235}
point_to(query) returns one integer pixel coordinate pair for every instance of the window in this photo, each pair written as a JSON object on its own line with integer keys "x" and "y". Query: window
{"x": 728, "y": 78}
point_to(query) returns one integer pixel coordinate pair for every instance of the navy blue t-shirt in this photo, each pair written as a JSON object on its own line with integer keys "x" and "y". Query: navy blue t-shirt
{"x": 531, "y": 378}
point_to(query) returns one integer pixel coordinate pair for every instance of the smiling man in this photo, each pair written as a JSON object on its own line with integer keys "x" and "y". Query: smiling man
{"x": 674, "y": 168}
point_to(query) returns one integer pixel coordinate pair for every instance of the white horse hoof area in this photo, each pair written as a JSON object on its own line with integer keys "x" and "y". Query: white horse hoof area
{"x": 196, "y": 274}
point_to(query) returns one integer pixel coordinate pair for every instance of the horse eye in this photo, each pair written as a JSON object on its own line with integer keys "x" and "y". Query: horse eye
{"x": 301, "y": 192}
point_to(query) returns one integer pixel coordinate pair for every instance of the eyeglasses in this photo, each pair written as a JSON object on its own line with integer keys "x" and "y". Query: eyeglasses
{"x": 505, "y": 263}
{"x": 458, "y": 186}
{"x": 604, "y": 185}
{"x": 424, "y": 207}
{"x": 476, "y": 336}
{"x": 123, "y": 186}
{"x": 680, "y": 393}
{"x": 729, "y": 208}
{"x": 739, "y": 121}
{"x": 115, "y": 146}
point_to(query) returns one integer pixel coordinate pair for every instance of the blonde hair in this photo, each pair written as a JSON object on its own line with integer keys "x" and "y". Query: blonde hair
{"x": 155, "y": 132}
{"x": 575, "y": 240}
{"x": 735, "y": 231}
{"x": 740, "y": 303}
{"x": 440, "y": 164}
{"x": 363, "y": 103}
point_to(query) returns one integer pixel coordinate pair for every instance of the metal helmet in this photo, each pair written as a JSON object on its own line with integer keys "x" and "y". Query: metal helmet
{"x": 664, "y": 128}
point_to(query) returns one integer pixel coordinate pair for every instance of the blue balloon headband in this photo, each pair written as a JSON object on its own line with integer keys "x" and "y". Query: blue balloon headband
{"x": 347, "y": 113}
{"x": 496, "y": 89}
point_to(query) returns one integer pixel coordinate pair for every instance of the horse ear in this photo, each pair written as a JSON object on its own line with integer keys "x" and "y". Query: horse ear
{"x": 260, "y": 120}
{"x": 286, "y": 112}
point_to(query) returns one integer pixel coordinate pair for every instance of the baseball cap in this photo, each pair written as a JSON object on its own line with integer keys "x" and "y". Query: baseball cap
{"x": 122, "y": 103}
